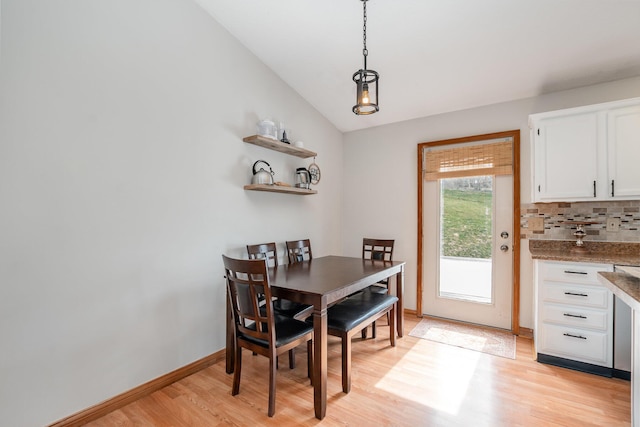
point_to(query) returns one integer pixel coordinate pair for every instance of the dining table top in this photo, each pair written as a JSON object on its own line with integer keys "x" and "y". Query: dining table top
{"x": 334, "y": 277}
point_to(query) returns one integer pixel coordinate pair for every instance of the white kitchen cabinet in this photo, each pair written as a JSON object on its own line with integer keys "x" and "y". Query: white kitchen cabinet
{"x": 623, "y": 151}
{"x": 586, "y": 153}
{"x": 566, "y": 157}
{"x": 574, "y": 316}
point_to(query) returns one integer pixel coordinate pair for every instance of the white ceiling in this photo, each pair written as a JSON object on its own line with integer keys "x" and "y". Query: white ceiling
{"x": 435, "y": 56}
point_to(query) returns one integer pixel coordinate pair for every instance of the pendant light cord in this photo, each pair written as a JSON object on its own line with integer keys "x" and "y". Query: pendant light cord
{"x": 365, "y": 52}
{"x": 366, "y": 80}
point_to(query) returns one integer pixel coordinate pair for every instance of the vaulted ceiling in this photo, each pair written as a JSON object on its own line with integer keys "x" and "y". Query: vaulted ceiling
{"x": 435, "y": 56}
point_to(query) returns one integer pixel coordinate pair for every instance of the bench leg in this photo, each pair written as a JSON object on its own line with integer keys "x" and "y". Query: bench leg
{"x": 292, "y": 358}
{"x": 346, "y": 363}
{"x": 310, "y": 360}
{"x": 392, "y": 326}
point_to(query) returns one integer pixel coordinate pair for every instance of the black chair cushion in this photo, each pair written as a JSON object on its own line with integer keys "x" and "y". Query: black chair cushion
{"x": 285, "y": 307}
{"x": 288, "y": 308}
{"x": 287, "y": 330}
{"x": 354, "y": 310}
{"x": 377, "y": 289}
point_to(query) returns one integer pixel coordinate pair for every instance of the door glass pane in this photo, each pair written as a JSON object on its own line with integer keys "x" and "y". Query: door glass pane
{"x": 466, "y": 230}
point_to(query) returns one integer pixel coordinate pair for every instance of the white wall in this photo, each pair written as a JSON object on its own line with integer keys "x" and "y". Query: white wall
{"x": 380, "y": 198}
{"x": 121, "y": 174}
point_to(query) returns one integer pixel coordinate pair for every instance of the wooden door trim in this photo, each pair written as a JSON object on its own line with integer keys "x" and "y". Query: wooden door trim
{"x": 515, "y": 135}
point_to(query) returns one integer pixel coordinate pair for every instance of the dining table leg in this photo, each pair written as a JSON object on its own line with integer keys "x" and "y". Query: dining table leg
{"x": 320, "y": 361}
{"x": 400, "y": 304}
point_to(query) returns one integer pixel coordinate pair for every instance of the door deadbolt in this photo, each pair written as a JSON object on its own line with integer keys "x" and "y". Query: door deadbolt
{"x": 504, "y": 235}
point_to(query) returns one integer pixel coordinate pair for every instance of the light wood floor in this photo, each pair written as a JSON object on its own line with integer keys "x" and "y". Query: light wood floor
{"x": 417, "y": 383}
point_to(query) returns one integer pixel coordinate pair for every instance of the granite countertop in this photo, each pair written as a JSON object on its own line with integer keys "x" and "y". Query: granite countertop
{"x": 624, "y": 286}
{"x": 622, "y": 253}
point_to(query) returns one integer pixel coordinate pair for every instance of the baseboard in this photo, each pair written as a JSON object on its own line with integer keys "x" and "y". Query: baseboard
{"x": 575, "y": 365}
{"x": 526, "y": 333}
{"x": 409, "y": 311}
{"x": 101, "y": 409}
{"x": 623, "y": 375}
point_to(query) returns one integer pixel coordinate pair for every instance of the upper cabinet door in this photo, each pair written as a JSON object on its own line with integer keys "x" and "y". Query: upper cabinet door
{"x": 623, "y": 152}
{"x": 587, "y": 153}
{"x": 566, "y": 157}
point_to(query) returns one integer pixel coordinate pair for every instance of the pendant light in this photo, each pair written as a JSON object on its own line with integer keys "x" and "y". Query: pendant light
{"x": 366, "y": 80}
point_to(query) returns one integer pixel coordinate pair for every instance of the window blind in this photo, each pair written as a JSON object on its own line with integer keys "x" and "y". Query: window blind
{"x": 474, "y": 160}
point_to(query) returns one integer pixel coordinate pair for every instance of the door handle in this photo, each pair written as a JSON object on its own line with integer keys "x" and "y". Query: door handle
{"x": 504, "y": 248}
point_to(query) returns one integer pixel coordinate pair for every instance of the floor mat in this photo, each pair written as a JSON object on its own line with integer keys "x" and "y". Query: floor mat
{"x": 478, "y": 338}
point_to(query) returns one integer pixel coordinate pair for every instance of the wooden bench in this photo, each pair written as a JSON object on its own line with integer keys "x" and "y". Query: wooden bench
{"x": 352, "y": 315}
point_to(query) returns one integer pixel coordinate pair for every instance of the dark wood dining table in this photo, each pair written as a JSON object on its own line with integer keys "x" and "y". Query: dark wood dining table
{"x": 321, "y": 282}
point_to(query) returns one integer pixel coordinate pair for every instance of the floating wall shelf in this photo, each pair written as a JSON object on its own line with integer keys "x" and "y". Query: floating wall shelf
{"x": 279, "y": 189}
{"x": 273, "y": 144}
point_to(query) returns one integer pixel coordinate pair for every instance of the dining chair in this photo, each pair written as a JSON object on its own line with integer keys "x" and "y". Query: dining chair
{"x": 377, "y": 249}
{"x": 382, "y": 250}
{"x": 266, "y": 251}
{"x": 299, "y": 250}
{"x": 284, "y": 307}
{"x": 352, "y": 315}
{"x": 261, "y": 331}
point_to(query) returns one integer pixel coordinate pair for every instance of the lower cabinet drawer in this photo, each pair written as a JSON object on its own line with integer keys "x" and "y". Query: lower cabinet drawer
{"x": 576, "y": 316}
{"x": 576, "y": 344}
{"x": 573, "y": 272}
{"x": 568, "y": 293}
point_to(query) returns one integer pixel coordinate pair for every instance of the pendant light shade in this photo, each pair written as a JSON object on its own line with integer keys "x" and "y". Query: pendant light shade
{"x": 366, "y": 80}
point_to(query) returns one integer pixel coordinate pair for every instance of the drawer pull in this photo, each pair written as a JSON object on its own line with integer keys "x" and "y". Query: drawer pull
{"x": 579, "y": 316}
{"x": 576, "y": 272}
{"x": 576, "y": 294}
{"x": 566, "y": 334}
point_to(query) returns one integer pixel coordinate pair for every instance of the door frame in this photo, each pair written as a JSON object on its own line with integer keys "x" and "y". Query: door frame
{"x": 515, "y": 135}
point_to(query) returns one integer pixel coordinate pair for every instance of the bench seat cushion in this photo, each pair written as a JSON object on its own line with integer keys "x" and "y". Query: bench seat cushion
{"x": 289, "y": 308}
{"x": 351, "y": 312}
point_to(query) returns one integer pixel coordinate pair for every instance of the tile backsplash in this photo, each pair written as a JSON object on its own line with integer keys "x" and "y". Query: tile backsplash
{"x": 555, "y": 217}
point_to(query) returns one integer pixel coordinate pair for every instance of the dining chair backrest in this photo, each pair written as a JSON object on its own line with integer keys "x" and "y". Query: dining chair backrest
{"x": 248, "y": 289}
{"x": 299, "y": 250}
{"x": 264, "y": 251}
{"x": 377, "y": 249}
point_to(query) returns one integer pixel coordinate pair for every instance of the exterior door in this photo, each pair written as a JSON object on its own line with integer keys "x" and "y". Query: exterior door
{"x": 468, "y": 256}
{"x": 469, "y": 280}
